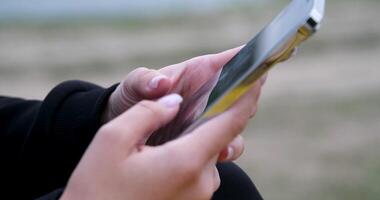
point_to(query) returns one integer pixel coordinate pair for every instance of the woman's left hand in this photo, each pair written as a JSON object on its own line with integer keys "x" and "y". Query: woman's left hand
{"x": 146, "y": 84}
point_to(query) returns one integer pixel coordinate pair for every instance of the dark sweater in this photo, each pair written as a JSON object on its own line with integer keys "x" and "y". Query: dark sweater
{"x": 42, "y": 142}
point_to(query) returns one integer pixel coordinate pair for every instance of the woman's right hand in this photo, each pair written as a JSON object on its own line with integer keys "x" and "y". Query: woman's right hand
{"x": 117, "y": 165}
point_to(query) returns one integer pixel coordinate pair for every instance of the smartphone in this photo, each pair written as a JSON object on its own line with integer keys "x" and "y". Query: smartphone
{"x": 274, "y": 44}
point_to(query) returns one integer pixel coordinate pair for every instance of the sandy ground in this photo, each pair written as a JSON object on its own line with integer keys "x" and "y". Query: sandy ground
{"x": 317, "y": 133}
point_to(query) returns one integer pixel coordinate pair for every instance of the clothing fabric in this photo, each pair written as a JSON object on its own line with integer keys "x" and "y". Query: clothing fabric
{"x": 41, "y": 142}
{"x": 235, "y": 184}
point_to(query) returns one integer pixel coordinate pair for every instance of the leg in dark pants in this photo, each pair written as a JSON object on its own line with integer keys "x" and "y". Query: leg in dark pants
{"x": 235, "y": 184}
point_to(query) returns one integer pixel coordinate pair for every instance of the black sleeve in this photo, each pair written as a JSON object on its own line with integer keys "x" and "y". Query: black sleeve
{"x": 55, "y": 195}
{"x": 42, "y": 142}
{"x": 235, "y": 184}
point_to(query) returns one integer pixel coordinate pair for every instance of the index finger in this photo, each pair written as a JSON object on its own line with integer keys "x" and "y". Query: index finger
{"x": 213, "y": 62}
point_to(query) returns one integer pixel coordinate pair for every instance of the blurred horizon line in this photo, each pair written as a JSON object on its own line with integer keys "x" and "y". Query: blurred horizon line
{"x": 71, "y": 9}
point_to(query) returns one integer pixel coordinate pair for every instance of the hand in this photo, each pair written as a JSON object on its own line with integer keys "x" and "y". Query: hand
{"x": 118, "y": 166}
{"x": 184, "y": 78}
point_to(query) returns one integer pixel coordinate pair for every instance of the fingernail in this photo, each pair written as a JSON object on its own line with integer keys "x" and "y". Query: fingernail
{"x": 171, "y": 101}
{"x": 230, "y": 153}
{"x": 156, "y": 81}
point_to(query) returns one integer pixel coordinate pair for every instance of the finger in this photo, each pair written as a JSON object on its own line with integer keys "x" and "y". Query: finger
{"x": 209, "y": 139}
{"x": 220, "y": 59}
{"x": 209, "y": 180}
{"x": 233, "y": 151}
{"x": 144, "y": 83}
{"x": 213, "y": 61}
{"x": 141, "y": 120}
{"x": 216, "y": 178}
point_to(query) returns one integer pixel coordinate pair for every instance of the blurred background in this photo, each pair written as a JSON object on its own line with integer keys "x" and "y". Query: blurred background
{"x": 317, "y": 132}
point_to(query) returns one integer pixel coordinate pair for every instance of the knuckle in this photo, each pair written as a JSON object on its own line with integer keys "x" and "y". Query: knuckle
{"x": 131, "y": 81}
{"x": 150, "y": 107}
{"x": 106, "y": 129}
{"x": 190, "y": 170}
{"x": 135, "y": 73}
{"x": 209, "y": 183}
{"x": 238, "y": 124}
{"x": 139, "y": 70}
{"x": 238, "y": 147}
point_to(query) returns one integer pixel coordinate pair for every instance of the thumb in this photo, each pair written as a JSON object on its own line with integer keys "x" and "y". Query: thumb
{"x": 144, "y": 83}
{"x": 140, "y": 84}
{"x": 140, "y": 121}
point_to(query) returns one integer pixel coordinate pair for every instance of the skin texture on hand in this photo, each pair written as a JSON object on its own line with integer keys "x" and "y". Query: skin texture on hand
{"x": 118, "y": 166}
{"x": 186, "y": 79}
